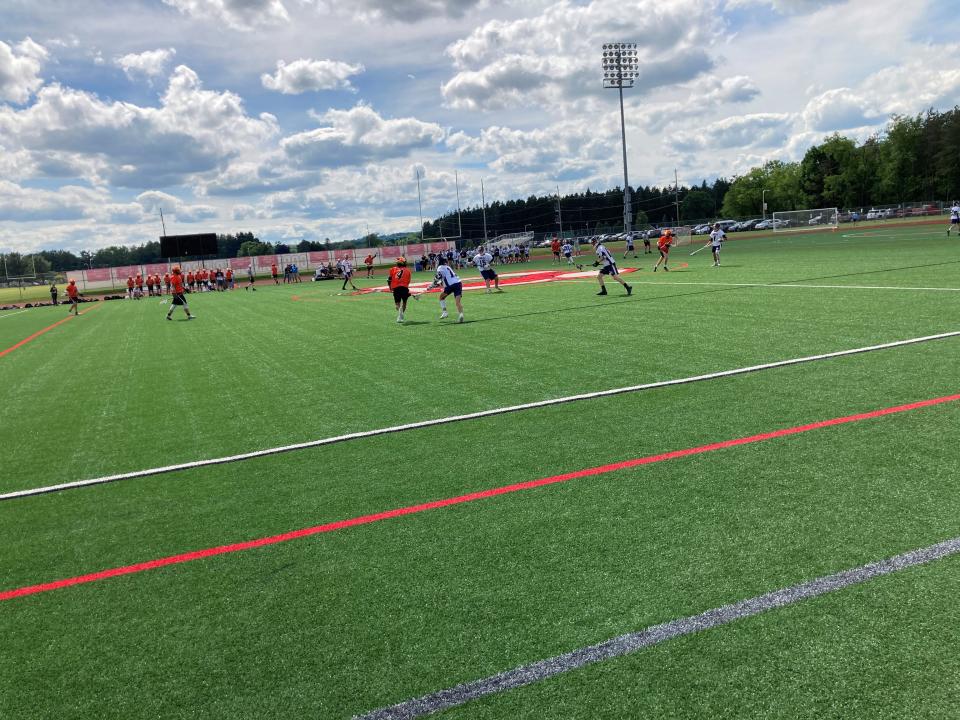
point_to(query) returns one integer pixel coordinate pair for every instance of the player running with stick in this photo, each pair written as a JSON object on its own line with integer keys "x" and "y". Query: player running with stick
{"x": 609, "y": 267}
{"x": 347, "y": 267}
{"x": 398, "y": 280}
{"x": 451, "y": 286}
{"x": 484, "y": 262}
{"x": 954, "y": 218}
{"x": 663, "y": 245}
{"x": 179, "y": 298}
{"x": 73, "y": 293}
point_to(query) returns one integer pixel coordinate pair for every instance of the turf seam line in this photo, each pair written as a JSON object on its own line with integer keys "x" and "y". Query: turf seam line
{"x": 38, "y": 333}
{"x": 459, "y": 500}
{"x": 656, "y": 634}
{"x": 60, "y": 487}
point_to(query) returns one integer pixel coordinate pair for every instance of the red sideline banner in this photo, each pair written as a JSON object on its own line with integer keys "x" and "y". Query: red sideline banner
{"x": 265, "y": 261}
{"x": 321, "y": 257}
{"x": 126, "y": 271}
{"x": 417, "y": 249}
{"x": 240, "y": 263}
{"x": 157, "y": 268}
{"x": 390, "y": 251}
{"x": 97, "y": 275}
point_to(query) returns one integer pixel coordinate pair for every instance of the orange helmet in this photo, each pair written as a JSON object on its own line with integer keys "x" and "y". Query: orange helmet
{"x": 401, "y": 260}
{"x": 176, "y": 270}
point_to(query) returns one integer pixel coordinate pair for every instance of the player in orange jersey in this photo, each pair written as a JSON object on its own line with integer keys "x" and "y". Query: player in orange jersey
{"x": 398, "y": 280}
{"x": 368, "y": 261}
{"x": 73, "y": 292}
{"x": 179, "y": 296}
{"x": 663, "y": 245}
{"x": 274, "y": 274}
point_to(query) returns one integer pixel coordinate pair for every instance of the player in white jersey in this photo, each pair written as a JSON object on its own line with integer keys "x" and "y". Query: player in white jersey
{"x": 629, "y": 246}
{"x": 347, "y": 268}
{"x": 484, "y": 261}
{"x": 567, "y": 250}
{"x": 716, "y": 242}
{"x": 954, "y": 217}
{"x": 608, "y": 267}
{"x": 451, "y": 286}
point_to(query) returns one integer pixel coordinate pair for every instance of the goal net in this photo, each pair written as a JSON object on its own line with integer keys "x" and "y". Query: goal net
{"x": 793, "y": 220}
{"x": 682, "y": 235}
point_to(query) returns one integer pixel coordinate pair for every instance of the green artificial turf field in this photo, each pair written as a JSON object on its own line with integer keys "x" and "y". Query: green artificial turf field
{"x": 348, "y": 621}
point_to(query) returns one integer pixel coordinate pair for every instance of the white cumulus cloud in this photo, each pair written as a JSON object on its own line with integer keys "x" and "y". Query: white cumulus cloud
{"x": 243, "y": 15}
{"x": 149, "y": 64}
{"x": 552, "y": 57}
{"x": 20, "y": 70}
{"x": 304, "y": 75}
{"x": 358, "y": 136}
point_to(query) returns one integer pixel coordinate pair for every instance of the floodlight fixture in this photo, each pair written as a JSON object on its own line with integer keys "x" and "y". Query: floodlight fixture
{"x": 621, "y": 68}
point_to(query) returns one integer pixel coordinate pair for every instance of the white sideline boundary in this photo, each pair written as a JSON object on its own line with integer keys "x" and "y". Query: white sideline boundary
{"x": 631, "y": 643}
{"x": 12, "y": 314}
{"x": 799, "y": 285}
{"x": 467, "y": 416}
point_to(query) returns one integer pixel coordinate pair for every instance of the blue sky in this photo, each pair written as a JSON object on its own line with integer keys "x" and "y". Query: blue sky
{"x": 308, "y": 118}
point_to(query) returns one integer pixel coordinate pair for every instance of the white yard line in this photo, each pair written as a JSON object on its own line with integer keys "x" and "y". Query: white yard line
{"x": 797, "y": 285}
{"x": 468, "y": 416}
{"x": 12, "y": 314}
{"x": 634, "y": 642}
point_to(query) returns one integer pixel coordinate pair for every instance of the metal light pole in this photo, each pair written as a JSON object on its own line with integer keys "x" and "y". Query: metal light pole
{"x": 763, "y": 202}
{"x": 619, "y": 71}
{"x": 420, "y": 204}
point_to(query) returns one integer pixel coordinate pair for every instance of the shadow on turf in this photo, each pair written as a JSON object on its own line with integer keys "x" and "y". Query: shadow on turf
{"x": 701, "y": 292}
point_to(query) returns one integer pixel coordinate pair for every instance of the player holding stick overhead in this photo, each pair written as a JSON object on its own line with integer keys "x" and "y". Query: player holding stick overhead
{"x": 954, "y": 217}
{"x": 368, "y": 261}
{"x": 609, "y": 267}
{"x": 663, "y": 245}
{"x": 451, "y": 286}
{"x": 179, "y": 298}
{"x": 398, "y": 280}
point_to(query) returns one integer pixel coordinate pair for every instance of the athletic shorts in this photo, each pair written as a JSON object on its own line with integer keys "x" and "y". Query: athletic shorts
{"x": 556, "y": 254}
{"x": 401, "y": 293}
{"x": 955, "y": 221}
{"x": 646, "y": 242}
{"x": 488, "y": 274}
{"x": 609, "y": 270}
{"x": 456, "y": 289}
{"x": 629, "y": 244}
{"x": 664, "y": 251}
{"x": 567, "y": 255}
{"x": 178, "y": 299}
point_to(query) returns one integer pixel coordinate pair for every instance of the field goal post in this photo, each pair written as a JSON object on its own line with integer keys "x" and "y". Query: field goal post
{"x": 806, "y": 220}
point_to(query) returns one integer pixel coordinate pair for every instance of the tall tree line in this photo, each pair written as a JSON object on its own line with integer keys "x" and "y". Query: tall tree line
{"x": 914, "y": 159}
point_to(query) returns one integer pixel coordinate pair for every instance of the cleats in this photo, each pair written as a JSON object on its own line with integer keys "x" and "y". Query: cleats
{"x": 460, "y": 318}
{"x": 602, "y": 292}
{"x": 443, "y": 314}
{"x": 169, "y": 318}
{"x": 629, "y": 289}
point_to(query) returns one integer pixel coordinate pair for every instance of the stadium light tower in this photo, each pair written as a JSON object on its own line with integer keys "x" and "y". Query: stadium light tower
{"x": 620, "y": 65}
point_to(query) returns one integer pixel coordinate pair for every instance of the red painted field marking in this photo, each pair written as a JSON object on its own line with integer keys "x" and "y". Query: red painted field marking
{"x": 38, "y": 333}
{"x": 458, "y": 500}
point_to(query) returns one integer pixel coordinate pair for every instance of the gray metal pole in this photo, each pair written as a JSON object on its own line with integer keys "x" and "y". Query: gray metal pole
{"x": 483, "y": 201}
{"x": 420, "y": 204}
{"x": 626, "y": 182}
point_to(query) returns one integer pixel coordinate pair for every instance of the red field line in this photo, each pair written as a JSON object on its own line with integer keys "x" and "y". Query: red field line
{"x": 38, "y": 333}
{"x": 458, "y": 500}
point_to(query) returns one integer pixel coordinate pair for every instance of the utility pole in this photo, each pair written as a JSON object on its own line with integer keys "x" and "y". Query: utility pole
{"x": 456, "y": 179}
{"x": 420, "y": 204}
{"x": 559, "y": 212}
{"x": 676, "y": 190}
{"x": 483, "y": 201}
